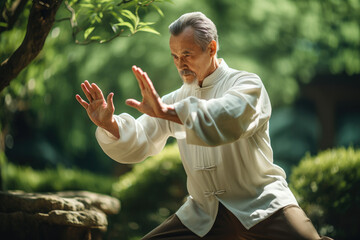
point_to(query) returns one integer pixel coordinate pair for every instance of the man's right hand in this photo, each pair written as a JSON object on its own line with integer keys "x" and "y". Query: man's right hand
{"x": 99, "y": 111}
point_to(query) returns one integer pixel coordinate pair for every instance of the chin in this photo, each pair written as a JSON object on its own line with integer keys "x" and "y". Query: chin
{"x": 189, "y": 79}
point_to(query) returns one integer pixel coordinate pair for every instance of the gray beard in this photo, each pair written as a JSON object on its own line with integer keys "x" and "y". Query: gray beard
{"x": 195, "y": 81}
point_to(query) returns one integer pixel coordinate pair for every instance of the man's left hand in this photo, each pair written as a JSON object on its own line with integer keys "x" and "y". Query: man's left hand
{"x": 151, "y": 103}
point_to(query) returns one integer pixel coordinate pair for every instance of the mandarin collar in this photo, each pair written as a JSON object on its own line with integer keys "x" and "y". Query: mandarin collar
{"x": 219, "y": 72}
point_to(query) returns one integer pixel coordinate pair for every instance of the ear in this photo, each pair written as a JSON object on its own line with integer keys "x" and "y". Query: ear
{"x": 212, "y": 48}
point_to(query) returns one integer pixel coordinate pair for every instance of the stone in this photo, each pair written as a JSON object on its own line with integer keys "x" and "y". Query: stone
{"x": 63, "y": 215}
{"x": 107, "y": 204}
{"x": 36, "y": 202}
{"x": 88, "y": 218}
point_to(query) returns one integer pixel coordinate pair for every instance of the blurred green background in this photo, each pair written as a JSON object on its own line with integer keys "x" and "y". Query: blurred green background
{"x": 306, "y": 52}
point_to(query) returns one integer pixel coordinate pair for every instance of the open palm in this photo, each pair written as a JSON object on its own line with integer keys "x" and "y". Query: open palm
{"x": 100, "y": 111}
{"x": 151, "y": 103}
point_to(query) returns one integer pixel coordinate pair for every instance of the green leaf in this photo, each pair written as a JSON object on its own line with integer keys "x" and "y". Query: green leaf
{"x": 88, "y": 32}
{"x": 148, "y": 29}
{"x": 98, "y": 19}
{"x": 93, "y": 18}
{"x": 3, "y": 24}
{"x": 114, "y": 28}
{"x": 95, "y": 38}
{"x": 160, "y": 12}
{"x": 115, "y": 14}
{"x": 141, "y": 24}
{"x": 127, "y": 24}
{"x": 129, "y": 15}
{"x": 109, "y": 6}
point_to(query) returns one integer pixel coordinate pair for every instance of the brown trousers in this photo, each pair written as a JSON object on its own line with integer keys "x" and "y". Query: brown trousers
{"x": 289, "y": 223}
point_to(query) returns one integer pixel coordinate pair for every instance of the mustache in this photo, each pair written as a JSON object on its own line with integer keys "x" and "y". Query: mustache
{"x": 186, "y": 72}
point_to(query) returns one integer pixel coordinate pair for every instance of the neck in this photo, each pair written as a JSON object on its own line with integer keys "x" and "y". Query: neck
{"x": 213, "y": 66}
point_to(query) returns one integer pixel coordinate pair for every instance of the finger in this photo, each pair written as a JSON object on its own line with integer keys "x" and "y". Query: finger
{"x": 86, "y": 91}
{"x": 137, "y": 72}
{"x": 133, "y": 103}
{"x": 97, "y": 91}
{"x": 81, "y": 101}
{"x": 149, "y": 85}
{"x": 110, "y": 101}
{"x": 145, "y": 80}
{"x": 90, "y": 89}
{"x": 148, "y": 82}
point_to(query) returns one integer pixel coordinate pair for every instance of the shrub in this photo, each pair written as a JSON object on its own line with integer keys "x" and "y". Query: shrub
{"x": 151, "y": 192}
{"x": 58, "y": 179}
{"x": 327, "y": 187}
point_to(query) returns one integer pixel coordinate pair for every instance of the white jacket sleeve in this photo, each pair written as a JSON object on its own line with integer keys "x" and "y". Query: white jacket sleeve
{"x": 139, "y": 138}
{"x": 240, "y": 112}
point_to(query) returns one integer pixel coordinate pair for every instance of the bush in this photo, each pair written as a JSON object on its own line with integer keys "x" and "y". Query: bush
{"x": 150, "y": 193}
{"x": 58, "y": 179}
{"x": 327, "y": 187}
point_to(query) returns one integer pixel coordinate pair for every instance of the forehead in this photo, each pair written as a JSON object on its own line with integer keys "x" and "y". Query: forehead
{"x": 184, "y": 41}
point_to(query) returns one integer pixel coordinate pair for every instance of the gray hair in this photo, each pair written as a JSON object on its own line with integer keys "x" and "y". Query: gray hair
{"x": 204, "y": 29}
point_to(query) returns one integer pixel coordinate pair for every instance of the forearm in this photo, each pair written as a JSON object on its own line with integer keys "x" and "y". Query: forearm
{"x": 222, "y": 120}
{"x": 140, "y": 138}
{"x": 170, "y": 114}
{"x": 113, "y": 128}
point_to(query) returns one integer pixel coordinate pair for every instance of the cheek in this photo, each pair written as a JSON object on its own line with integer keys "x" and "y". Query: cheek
{"x": 201, "y": 65}
{"x": 196, "y": 64}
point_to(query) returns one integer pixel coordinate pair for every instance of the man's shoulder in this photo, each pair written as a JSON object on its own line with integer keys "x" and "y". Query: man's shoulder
{"x": 241, "y": 73}
{"x": 239, "y": 76}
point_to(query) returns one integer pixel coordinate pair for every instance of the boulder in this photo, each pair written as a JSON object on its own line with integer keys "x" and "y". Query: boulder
{"x": 62, "y": 215}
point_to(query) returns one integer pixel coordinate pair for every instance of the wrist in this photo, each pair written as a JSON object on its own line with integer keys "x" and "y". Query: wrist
{"x": 170, "y": 114}
{"x": 113, "y": 128}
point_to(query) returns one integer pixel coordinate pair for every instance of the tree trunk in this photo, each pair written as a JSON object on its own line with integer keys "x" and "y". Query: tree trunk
{"x": 40, "y": 22}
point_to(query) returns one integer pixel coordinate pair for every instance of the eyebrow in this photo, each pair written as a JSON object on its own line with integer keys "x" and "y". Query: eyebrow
{"x": 184, "y": 52}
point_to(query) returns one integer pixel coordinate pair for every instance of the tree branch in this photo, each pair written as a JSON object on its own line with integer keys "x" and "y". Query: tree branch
{"x": 10, "y": 16}
{"x": 41, "y": 20}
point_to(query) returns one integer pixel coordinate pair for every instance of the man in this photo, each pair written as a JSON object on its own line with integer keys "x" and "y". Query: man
{"x": 220, "y": 118}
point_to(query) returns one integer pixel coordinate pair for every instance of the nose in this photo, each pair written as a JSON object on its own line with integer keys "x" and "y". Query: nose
{"x": 181, "y": 63}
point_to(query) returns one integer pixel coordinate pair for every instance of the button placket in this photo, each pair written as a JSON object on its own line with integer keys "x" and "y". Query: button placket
{"x": 208, "y": 172}
{"x": 207, "y": 168}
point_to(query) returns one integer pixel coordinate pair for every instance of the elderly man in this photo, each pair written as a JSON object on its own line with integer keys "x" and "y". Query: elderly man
{"x": 220, "y": 118}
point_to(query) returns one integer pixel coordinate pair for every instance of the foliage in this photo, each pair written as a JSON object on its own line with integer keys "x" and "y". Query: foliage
{"x": 104, "y": 20}
{"x": 149, "y": 194}
{"x": 37, "y": 87}
{"x": 290, "y": 43}
{"x": 59, "y": 179}
{"x": 327, "y": 187}
{"x": 283, "y": 41}
{"x": 94, "y": 15}
{"x": 331, "y": 31}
